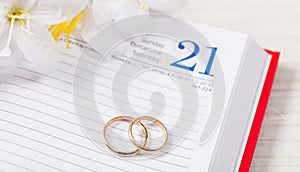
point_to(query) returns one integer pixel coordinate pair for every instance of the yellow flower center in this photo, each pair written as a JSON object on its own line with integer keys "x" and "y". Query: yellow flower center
{"x": 14, "y": 15}
{"x": 66, "y": 28}
{"x": 143, "y": 5}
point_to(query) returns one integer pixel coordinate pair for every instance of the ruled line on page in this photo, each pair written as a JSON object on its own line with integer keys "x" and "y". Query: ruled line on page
{"x": 63, "y": 150}
{"x": 97, "y": 93}
{"x": 138, "y": 88}
{"x": 16, "y": 165}
{"x": 129, "y": 94}
{"x": 52, "y": 116}
{"x": 13, "y": 103}
{"x": 187, "y": 120}
{"x": 186, "y": 138}
{"x": 138, "y": 79}
{"x": 171, "y": 144}
{"x": 102, "y": 85}
{"x": 57, "y": 169}
{"x": 72, "y": 144}
{"x": 45, "y": 154}
{"x": 70, "y": 132}
{"x": 196, "y": 122}
{"x": 59, "y": 138}
{"x": 135, "y": 104}
{"x": 94, "y": 121}
{"x": 25, "y": 147}
{"x": 178, "y": 146}
{"x": 76, "y": 134}
{"x": 99, "y": 84}
{"x": 124, "y": 74}
{"x": 132, "y": 86}
{"x": 84, "y": 137}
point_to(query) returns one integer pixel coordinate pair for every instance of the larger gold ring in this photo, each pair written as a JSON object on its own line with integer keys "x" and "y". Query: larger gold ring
{"x": 157, "y": 122}
{"x": 123, "y": 118}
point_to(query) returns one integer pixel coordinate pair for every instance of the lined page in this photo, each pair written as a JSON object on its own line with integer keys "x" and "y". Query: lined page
{"x": 38, "y": 119}
{"x": 41, "y": 130}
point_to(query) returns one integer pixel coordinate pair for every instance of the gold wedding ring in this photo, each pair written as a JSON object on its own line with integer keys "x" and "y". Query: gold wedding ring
{"x": 118, "y": 152}
{"x": 151, "y": 119}
{"x": 138, "y": 145}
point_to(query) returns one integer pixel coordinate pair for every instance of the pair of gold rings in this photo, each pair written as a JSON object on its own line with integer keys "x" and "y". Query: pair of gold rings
{"x": 139, "y": 146}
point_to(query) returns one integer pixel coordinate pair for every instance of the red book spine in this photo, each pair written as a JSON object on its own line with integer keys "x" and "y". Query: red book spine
{"x": 259, "y": 115}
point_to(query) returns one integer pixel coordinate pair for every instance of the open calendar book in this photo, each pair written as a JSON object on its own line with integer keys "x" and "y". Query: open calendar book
{"x": 208, "y": 96}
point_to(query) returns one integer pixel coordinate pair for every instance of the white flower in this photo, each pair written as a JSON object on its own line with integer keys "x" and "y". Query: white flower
{"x": 82, "y": 26}
{"x": 109, "y": 10}
{"x": 23, "y": 29}
{"x": 88, "y": 26}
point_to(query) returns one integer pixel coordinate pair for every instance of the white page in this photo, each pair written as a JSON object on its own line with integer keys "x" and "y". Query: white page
{"x": 40, "y": 130}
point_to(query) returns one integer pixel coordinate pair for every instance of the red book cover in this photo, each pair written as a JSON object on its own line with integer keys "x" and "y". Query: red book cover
{"x": 259, "y": 115}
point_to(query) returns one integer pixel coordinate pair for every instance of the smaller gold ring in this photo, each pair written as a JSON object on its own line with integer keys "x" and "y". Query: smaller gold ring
{"x": 157, "y": 122}
{"x": 123, "y": 118}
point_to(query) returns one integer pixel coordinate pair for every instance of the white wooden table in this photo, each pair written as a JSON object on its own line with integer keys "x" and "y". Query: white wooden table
{"x": 274, "y": 24}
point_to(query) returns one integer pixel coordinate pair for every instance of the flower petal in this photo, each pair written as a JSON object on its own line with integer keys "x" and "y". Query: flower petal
{"x": 3, "y": 10}
{"x": 88, "y": 25}
{"x": 109, "y": 10}
{"x": 105, "y": 11}
{"x": 51, "y": 12}
{"x": 37, "y": 47}
{"x": 3, "y": 27}
{"x": 8, "y": 65}
{"x": 165, "y": 6}
{"x": 20, "y": 4}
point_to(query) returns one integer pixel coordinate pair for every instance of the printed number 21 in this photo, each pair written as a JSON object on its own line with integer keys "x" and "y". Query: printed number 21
{"x": 194, "y": 54}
